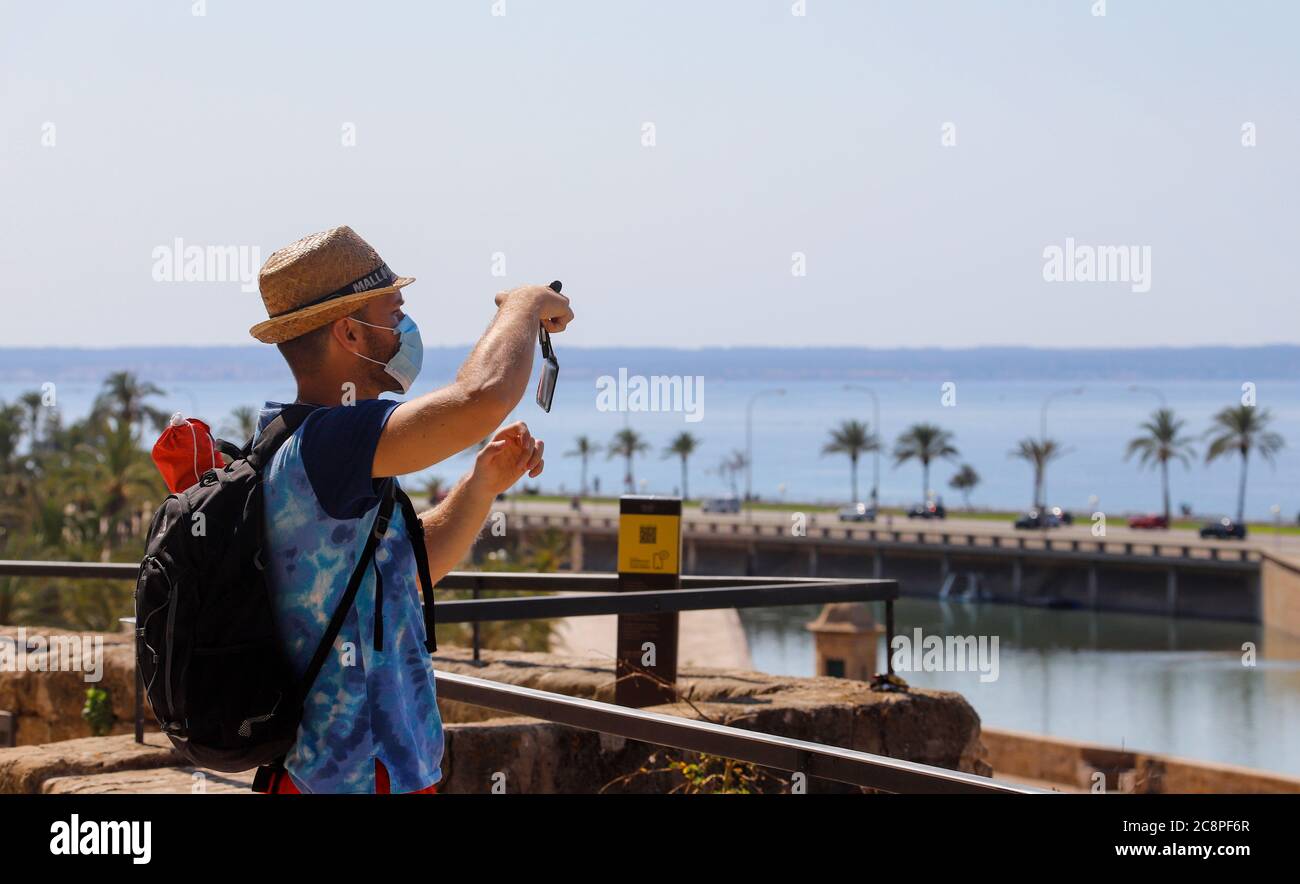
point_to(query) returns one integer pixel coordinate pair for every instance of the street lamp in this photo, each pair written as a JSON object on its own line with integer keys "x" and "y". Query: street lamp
{"x": 1138, "y": 388}
{"x": 1042, "y": 428}
{"x": 875, "y": 428}
{"x": 749, "y": 442}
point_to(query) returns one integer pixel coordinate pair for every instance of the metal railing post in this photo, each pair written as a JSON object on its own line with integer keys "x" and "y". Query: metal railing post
{"x": 478, "y": 661}
{"x": 889, "y": 636}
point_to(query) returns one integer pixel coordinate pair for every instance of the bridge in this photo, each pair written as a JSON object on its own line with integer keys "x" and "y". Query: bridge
{"x": 1164, "y": 573}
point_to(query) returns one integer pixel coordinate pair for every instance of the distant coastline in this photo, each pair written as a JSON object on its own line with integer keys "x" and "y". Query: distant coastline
{"x": 252, "y": 362}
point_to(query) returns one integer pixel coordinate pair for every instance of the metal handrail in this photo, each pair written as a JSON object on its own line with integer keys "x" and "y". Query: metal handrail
{"x": 102, "y": 570}
{"x": 700, "y": 592}
{"x": 574, "y": 581}
{"x": 662, "y": 601}
{"x": 768, "y": 750}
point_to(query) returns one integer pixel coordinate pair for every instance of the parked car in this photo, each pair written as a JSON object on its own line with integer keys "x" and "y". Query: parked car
{"x": 1062, "y": 517}
{"x": 1224, "y": 529}
{"x": 930, "y": 510}
{"x": 1039, "y": 519}
{"x": 1151, "y": 520}
{"x": 858, "y": 512}
{"x": 729, "y": 504}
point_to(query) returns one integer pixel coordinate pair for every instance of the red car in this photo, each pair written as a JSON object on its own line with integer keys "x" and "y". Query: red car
{"x": 1149, "y": 521}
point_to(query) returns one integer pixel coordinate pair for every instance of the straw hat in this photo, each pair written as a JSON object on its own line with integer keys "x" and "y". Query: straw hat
{"x": 318, "y": 279}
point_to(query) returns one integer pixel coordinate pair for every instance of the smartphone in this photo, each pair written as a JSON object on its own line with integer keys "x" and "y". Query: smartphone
{"x": 550, "y": 366}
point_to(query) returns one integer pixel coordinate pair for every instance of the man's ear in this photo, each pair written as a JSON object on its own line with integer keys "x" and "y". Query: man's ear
{"x": 344, "y": 334}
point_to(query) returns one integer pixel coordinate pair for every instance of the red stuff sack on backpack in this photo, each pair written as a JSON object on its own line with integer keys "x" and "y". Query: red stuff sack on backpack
{"x": 184, "y": 452}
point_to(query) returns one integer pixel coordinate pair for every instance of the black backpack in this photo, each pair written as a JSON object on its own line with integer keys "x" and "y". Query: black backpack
{"x": 207, "y": 650}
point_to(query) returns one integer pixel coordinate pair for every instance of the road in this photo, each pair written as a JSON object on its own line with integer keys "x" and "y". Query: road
{"x": 1115, "y": 533}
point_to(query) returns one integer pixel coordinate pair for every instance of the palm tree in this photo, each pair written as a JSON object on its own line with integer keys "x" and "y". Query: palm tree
{"x": 583, "y": 448}
{"x": 11, "y": 433}
{"x": 1161, "y": 442}
{"x": 627, "y": 444}
{"x": 1038, "y": 453}
{"x": 853, "y": 438}
{"x": 242, "y": 423}
{"x": 123, "y": 398}
{"x": 924, "y": 442}
{"x": 1243, "y": 428}
{"x": 683, "y": 446}
{"x": 548, "y": 551}
{"x": 15, "y": 488}
{"x": 965, "y": 479}
{"x": 731, "y": 467}
{"x": 114, "y": 475}
{"x": 33, "y": 402}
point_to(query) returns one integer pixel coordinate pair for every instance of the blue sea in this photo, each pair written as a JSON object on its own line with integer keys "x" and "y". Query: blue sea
{"x": 986, "y": 418}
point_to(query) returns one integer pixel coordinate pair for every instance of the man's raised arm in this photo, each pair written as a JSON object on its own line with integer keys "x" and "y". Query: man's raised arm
{"x": 492, "y": 380}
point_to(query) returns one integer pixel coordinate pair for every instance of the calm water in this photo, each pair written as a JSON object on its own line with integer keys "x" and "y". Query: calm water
{"x": 790, "y": 430}
{"x": 1149, "y": 683}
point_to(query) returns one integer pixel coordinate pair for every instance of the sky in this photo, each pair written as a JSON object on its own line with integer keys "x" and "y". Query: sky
{"x": 920, "y": 156}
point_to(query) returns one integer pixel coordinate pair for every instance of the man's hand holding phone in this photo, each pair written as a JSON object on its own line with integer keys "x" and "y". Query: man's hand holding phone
{"x": 553, "y": 315}
{"x": 551, "y": 307}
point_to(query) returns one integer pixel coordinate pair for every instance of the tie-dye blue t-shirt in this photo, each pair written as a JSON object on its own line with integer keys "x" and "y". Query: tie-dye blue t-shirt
{"x": 375, "y": 696}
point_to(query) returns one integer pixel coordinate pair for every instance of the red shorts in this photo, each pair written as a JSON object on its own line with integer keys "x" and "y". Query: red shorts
{"x": 283, "y": 783}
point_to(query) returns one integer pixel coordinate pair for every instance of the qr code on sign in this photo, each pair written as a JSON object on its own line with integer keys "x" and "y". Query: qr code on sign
{"x": 649, "y": 534}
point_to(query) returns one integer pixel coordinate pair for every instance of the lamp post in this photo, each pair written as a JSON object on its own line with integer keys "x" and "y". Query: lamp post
{"x": 1138, "y": 388}
{"x": 749, "y": 443}
{"x": 875, "y": 428}
{"x": 1042, "y": 430}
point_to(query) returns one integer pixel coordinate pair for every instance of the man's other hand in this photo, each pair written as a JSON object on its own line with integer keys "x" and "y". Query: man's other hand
{"x": 512, "y": 452}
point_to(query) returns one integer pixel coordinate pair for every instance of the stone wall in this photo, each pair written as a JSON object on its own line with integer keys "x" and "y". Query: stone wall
{"x": 1075, "y": 765}
{"x": 47, "y": 705}
{"x": 530, "y": 756}
{"x": 1280, "y": 592}
{"x": 931, "y": 727}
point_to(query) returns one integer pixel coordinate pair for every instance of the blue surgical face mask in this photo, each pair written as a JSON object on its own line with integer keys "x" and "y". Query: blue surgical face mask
{"x": 406, "y": 362}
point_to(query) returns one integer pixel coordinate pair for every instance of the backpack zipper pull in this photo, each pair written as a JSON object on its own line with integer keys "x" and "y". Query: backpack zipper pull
{"x": 246, "y": 727}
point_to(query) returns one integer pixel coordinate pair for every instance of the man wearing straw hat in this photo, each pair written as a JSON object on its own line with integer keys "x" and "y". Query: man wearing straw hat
{"x": 371, "y": 722}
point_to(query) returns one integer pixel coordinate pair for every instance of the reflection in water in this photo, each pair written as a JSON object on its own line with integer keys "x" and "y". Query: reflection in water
{"x": 1149, "y": 683}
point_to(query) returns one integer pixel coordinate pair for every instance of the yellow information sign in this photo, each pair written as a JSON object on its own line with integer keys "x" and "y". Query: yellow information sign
{"x": 649, "y": 544}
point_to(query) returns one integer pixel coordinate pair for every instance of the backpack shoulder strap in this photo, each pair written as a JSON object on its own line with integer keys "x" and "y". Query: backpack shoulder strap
{"x": 277, "y": 432}
{"x": 232, "y": 452}
{"x": 377, "y": 531}
{"x": 415, "y": 531}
